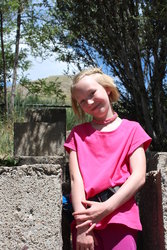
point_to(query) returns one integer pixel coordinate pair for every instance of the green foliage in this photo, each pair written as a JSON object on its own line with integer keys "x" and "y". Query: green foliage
{"x": 71, "y": 119}
{"x": 8, "y": 161}
{"x": 44, "y": 89}
{"x": 24, "y": 23}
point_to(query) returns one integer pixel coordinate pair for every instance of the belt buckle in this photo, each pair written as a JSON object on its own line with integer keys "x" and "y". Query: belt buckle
{"x": 106, "y": 194}
{"x": 103, "y": 196}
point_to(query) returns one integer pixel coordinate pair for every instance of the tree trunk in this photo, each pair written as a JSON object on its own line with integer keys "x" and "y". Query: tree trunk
{"x": 13, "y": 90}
{"x": 4, "y": 67}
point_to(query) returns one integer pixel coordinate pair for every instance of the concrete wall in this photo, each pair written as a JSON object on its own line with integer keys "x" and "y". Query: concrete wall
{"x": 163, "y": 166}
{"x": 42, "y": 134}
{"x": 153, "y": 204}
{"x": 30, "y": 210}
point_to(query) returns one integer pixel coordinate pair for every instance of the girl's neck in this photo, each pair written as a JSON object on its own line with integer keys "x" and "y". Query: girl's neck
{"x": 108, "y": 127}
{"x": 105, "y": 121}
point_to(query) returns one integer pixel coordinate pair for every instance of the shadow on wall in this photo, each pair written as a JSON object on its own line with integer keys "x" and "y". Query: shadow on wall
{"x": 42, "y": 135}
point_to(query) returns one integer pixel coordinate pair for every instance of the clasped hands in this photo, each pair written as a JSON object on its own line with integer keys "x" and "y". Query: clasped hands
{"x": 94, "y": 213}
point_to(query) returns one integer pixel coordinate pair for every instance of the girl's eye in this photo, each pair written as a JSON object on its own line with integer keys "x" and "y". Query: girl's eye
{"x": 82, "y": 102}
{"x": 92, "y": 93}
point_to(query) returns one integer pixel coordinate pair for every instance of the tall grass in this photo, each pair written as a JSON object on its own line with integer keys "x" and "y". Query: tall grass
{"x": 6, "y": 138}
{"x": 72, "y": 119}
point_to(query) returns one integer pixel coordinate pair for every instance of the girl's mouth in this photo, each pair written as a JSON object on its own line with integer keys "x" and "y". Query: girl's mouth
{"x": 96, "y": 107}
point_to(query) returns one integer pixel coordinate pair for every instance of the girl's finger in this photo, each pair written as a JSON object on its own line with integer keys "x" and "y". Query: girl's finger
{"x": 79, "y": 212}
{"x": 89, "y": 203}
{"x": 80, "y": 218}
{"x": 91, "y": 228}
{"x": 86, "y": 223}
{"x": 95, "y": 240}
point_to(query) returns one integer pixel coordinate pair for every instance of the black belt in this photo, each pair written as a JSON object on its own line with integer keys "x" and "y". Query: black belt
{"x": 104, "y": 195}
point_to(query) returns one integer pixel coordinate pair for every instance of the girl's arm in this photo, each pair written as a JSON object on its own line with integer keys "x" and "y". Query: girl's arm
{"x": 135, "y": 181}
{"x": 83, "y": 240}
{"x": 77, "y": 187}
{"x": 98, "y": 210}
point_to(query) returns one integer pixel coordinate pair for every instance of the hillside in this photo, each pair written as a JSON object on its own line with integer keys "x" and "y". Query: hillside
{"x": 63, "y": 79}
{"x": 66, "y": 82}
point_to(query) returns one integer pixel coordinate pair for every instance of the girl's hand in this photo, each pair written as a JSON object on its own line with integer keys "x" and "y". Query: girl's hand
{"x": 85, "y": 241}
{"x": 92, "y": 215}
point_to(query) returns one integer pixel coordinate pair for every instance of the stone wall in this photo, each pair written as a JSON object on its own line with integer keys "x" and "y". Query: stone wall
{"x": 30, "y": 210}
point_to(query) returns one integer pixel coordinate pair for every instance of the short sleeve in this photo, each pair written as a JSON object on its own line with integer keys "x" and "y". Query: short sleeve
{"x": 139, "y": 137}
{"x": 70, "y": 142}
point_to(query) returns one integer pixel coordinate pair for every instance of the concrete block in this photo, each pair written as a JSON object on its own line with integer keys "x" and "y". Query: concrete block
{"x": 49, "y": 115}
{"x": 162, "y": 166}
{"x": 151, "y": 213}
{"x": 29, "y": 160}
{"x": 158, "y": 162}
{"x": 31, "y": 205}
{"x": 39, "y": 139}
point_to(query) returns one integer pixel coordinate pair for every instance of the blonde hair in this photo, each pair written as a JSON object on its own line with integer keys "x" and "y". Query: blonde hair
{"x": 101, "y": 78}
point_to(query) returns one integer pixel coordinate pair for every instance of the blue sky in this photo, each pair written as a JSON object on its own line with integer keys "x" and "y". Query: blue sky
{"x": 41, "y": 69}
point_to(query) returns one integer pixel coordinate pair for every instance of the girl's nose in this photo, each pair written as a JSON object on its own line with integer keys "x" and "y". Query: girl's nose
{"x": 90, "y": 101}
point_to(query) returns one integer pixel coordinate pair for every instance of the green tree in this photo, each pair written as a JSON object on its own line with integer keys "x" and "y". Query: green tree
{"x": 12, "y": 58}
{"x": 5, "y": 55}
{"x": 3, "y": 65}
{"x": 43, "y": 88}
{"x": 129, "y": 40}
{"x": 22, "y": 23}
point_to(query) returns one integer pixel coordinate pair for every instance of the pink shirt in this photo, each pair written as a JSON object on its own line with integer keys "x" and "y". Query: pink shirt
{"x": 103, "y": 159}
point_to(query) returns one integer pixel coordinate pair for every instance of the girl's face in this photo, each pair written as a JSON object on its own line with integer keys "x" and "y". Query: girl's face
{"x": 92, "y": 98}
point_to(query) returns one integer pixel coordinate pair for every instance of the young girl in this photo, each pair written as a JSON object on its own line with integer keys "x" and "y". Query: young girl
{"x": 107, "y": 167}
